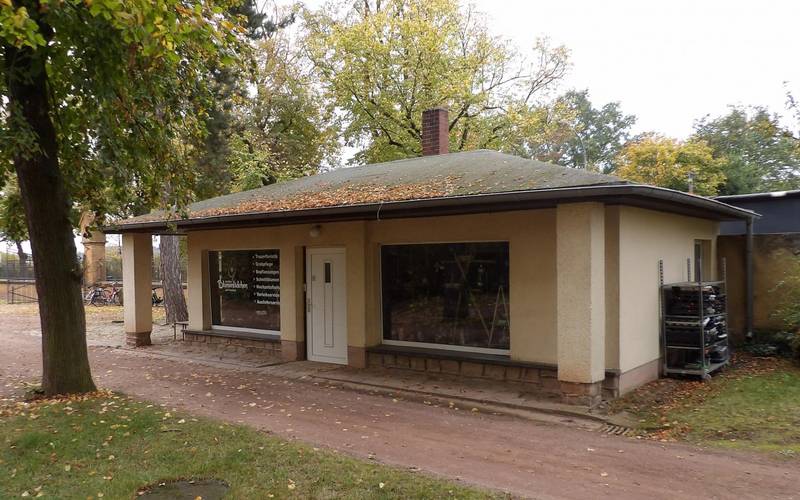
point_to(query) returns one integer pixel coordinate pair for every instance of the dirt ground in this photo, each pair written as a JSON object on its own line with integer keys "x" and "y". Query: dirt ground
{"x": 523, "y": 458}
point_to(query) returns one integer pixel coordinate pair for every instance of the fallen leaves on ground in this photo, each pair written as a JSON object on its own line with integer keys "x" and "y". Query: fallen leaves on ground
{"x": 656, "y": 400}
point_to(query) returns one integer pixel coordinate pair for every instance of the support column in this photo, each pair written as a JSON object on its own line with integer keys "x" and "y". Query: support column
{"x": 293, "y": 309}
{"x": 580, "y": 300}
{"x": 198, "y": 290}
{"x": 357, "y": 298}
{"x": 137, "y": 282}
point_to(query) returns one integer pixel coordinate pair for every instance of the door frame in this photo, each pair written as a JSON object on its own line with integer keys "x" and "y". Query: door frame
{"x": 309, "y": 252}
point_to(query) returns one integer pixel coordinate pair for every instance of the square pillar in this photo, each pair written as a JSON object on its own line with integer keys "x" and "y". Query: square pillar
{"x": 357, "y": 297}
{"x": 137, "y": 292}
{"x": 580, "y": 300}
{"x": 199, "y": 293}
{"x": 293, "y": 308}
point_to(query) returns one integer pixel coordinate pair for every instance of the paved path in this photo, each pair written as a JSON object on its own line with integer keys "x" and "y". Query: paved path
{"x": 527, "y": 459}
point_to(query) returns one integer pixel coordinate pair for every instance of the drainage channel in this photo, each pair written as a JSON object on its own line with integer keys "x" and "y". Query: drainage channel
{"x": 616, "y": 430}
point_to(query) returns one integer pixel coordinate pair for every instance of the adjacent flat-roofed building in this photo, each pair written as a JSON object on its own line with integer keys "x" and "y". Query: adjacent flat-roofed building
{"x": 774, "y": 251}
{"x": 478, "y": 264}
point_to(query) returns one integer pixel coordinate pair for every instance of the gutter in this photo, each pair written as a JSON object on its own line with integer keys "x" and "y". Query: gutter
{"x": 748, "y": 259}
{"x": 641, "y": 195}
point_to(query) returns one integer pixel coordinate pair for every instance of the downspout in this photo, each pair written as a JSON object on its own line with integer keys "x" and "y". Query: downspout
{"x": 748, "y": 256}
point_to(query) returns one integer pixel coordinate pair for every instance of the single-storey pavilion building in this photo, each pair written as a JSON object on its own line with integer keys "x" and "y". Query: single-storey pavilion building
{"x": 478, "y": 264}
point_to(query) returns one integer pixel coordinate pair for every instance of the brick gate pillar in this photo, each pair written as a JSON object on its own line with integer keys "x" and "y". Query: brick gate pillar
{"x": 94, "y": 251}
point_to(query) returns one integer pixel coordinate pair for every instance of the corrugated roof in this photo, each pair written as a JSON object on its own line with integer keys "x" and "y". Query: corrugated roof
{"x": 440, "y": 176}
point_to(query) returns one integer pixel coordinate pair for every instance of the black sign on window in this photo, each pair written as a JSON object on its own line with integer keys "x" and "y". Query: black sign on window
{"x": 245, "y": 289}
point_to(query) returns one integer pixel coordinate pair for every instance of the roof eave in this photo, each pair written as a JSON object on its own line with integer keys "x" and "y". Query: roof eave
{"x": 615, "y": 194}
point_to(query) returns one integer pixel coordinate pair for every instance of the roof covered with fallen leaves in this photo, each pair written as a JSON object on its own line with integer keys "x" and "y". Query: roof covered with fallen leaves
{"x": 440, "y": 176}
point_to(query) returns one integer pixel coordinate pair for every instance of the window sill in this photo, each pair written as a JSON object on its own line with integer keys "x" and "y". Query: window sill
{"x": 265, "y": 337}
{"x": 495, "y": 359}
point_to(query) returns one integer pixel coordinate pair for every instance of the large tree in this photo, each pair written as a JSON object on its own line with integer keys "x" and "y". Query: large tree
{"x": 593, "y": 136}
{"x": 382, "y": 62}
{"x": 662, "y": 161}
{"x": 760, "y": 153}
{"x": 230, "y": 89}
{"x": 103, "y": 104}
{"x": 285, "y": 129}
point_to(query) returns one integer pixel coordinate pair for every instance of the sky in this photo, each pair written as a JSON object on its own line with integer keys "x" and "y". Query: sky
{"x": 668, "y": 62}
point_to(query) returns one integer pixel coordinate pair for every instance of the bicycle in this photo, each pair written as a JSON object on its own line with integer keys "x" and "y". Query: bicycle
{"x": 95, "y": 296}
{"x": 114, "y": 295}
{"x": 157, "y": 301}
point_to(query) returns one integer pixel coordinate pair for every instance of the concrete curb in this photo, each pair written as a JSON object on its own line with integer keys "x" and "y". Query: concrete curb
{"x": 536, "y": 412}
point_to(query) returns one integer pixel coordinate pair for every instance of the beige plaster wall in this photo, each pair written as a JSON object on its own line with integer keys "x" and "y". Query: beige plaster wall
{"x": 645, "y": 237}
{"x": 290, "y": 240}
{"x": 612, "y": 287}
{"x": 532, "y": 250}
{"x": 531, "y": 237}
{"x": 581, "y": 292}
{"x": 626, "y": 246}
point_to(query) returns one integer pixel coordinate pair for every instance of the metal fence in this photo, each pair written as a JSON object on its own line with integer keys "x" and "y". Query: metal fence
{"x": 17, "y": 278}
{"x": 13, "y": 269}
{"x": 20, "y": 291}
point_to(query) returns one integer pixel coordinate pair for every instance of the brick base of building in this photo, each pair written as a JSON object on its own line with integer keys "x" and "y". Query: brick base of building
{"x": 582, "y": 394}
{"x": 137, "y": 339}
{"x": 269, "y": 347}
{"x": 538, "y": 378}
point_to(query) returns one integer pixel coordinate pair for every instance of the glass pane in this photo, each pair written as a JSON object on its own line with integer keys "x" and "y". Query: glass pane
{"x": 327, "y": 272}
{"x": 245, "y": 289}
{"x": 449, "y": 293}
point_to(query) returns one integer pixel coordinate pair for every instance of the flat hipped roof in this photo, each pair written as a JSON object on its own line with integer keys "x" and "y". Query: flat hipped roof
{"x": 758, "y": 196}
{"x": 456, "y": 183}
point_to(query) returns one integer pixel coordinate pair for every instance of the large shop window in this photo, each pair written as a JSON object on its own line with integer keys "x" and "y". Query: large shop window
{"x": 245, "y": 289}
{"x": 450, "y": 294}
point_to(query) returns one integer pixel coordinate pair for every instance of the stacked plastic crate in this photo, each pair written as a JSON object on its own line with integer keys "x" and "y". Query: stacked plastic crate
{"x": 694, "y": 327}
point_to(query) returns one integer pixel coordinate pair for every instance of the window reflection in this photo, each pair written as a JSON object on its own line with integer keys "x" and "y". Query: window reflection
{"x": 450, "y": 293}
{"x": 245, "y": 289}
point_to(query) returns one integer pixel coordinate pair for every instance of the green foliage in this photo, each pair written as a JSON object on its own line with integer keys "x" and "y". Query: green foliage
{"x": 130, "y": 93}
{"x": 788, "y": 308}
{"x": 795, "y": 345}
{"x": 762, "y": 350}
{"x": 593, "y": 137}
{"x": 661, "y": 161}
{"x": 383, "y": 63}
{"x": 770, "y": 343}
{"x": 114, "y": 446}
{"x": 232, "y": 88}
{"x": 286, "y": 130}
{"x": 12, "y": 214}
{"x": 277, "y": 127}
{"x": 760, "y": 154}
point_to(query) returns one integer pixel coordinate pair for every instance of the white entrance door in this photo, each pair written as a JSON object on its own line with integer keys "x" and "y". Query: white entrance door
{"x": 326, "y": 305}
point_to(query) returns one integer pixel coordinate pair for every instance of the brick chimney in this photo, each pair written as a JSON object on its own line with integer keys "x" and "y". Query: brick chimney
{"x": 435, "y": 132}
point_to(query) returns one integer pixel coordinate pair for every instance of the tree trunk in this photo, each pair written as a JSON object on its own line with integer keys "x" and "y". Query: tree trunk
{"x": 23, "y": 257}
{"x": 174, "y": 300}
{"x": 47, "y": 212}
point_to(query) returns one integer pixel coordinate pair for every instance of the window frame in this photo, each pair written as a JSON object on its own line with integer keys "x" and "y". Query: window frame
{"x": 430, "y": 345}
{"x": 273, "y": 334}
